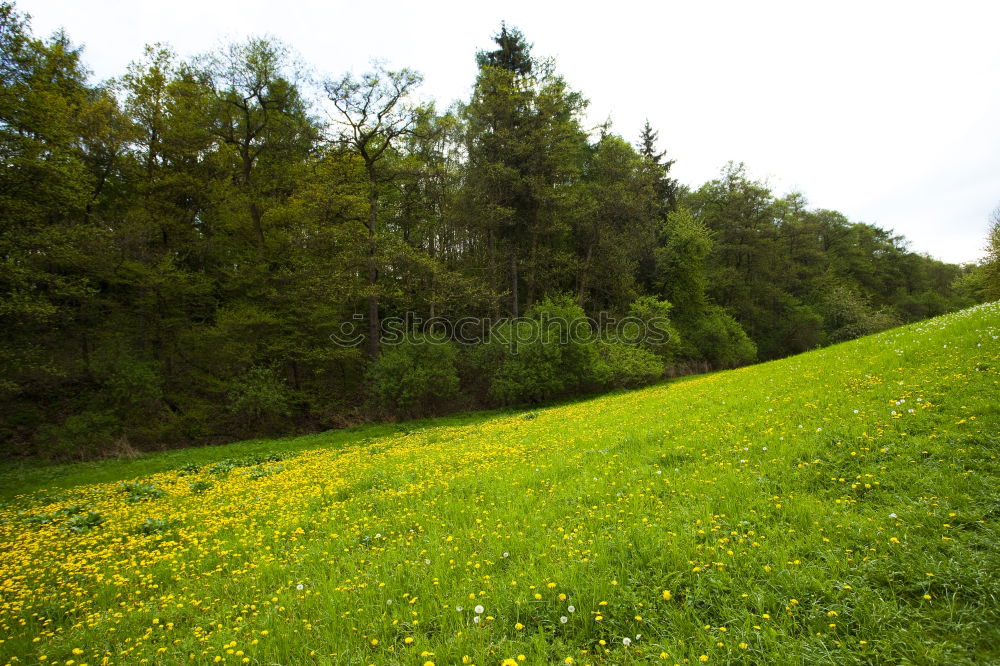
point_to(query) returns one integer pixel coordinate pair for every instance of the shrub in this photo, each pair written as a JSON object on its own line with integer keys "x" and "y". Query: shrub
{"x": 548, "y": 354}
{"x": 81, "y": 436}
{"x": 623, "y": 366}
{"x": 658, "y": 335}
{"x": 259, "y": 397}
{"x": 720, "y": 340}
{"x": 416, "y": 377}
{"x": 848, "y": 315}
{"x": 133, "y": 388}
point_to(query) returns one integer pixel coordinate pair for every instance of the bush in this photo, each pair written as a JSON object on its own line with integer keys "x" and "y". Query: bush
{"x": 259, "y": 397}
{"x": 134, "y": 388}
{"x": 623, "y": 366}
{"x": 658, "y": 334}
{"x": 848, "y": 315}
{"x": 416, "y": 377}
{"x": 80, "y": 436}
{"x": 720, "y": 340}
{"x": 550, "y": 353}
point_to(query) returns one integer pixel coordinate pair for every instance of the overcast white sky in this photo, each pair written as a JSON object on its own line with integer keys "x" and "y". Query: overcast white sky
{"x": 886, "y": 111}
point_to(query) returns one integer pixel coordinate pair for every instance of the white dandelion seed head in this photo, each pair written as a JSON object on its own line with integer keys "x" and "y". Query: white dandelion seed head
{"x": 476, "y": 619}
{"x": 479, "y": 609}
{"x": 459, "y": 609}
{"x": 626, "y": 641}
{"x": 300, "y": 586}
{"x": 564, "y": 619}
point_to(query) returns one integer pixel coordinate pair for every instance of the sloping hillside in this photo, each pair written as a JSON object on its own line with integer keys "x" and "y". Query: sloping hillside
{"x": 836, "y": 507}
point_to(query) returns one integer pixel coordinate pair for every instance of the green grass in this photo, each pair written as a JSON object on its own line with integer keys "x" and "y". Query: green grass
{"x": 837, "y": 507}
{"x": 24, "y": 476}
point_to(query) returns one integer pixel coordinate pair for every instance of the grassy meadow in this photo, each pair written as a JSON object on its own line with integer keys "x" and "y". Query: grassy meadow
{"x": 837, "y": 507}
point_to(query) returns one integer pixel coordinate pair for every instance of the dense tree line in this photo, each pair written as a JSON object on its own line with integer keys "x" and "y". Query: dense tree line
{"x": 182, "y": 246}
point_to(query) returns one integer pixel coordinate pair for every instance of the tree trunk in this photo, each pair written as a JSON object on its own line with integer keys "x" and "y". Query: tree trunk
{"x": 492, "y": 252}
{"x": 582, "y": 281}
{"x": 532, "y": 269}
{"x": 373, "y": 321}
{"x": 430, "y": 281}
{"x": 513, "y": 284}
{"x": 257, "y": 215}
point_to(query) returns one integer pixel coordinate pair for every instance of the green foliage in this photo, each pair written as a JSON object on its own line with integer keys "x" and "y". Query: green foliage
{"x": 547, "y": 354}
{"x": 990, "y": 276}
{"x": 848, "y": 316}
{"x": 83, "y": 435}
{"x": 223, "y": 467}
{"x": 259, "y": 397}
{"x": 84, "y": 522}
{"x": 415, "y": 377}
{"x": 134, "y": 387}
{"x": 653, "y": 328}
{"x": 843, "y": 501}
{"x": 227, "y": 465}
{"x": 620, "y": 365}
{"x": 199, "y": 486}
{"x": 721, "y": 340}
{"x": 773, "y": 260}
{"x": 970, "y": 286}
{"x": 153, "y": 526}
{"x": 140, "y": 492}
{"x": 263, "y": 472}
{"x": 680, "y": 263}
{"x": 182, "y": 246}
{"x": 39, "y": 519}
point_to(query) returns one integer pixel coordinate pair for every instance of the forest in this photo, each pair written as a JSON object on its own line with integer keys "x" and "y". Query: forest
{"x": 184, "y": 247}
